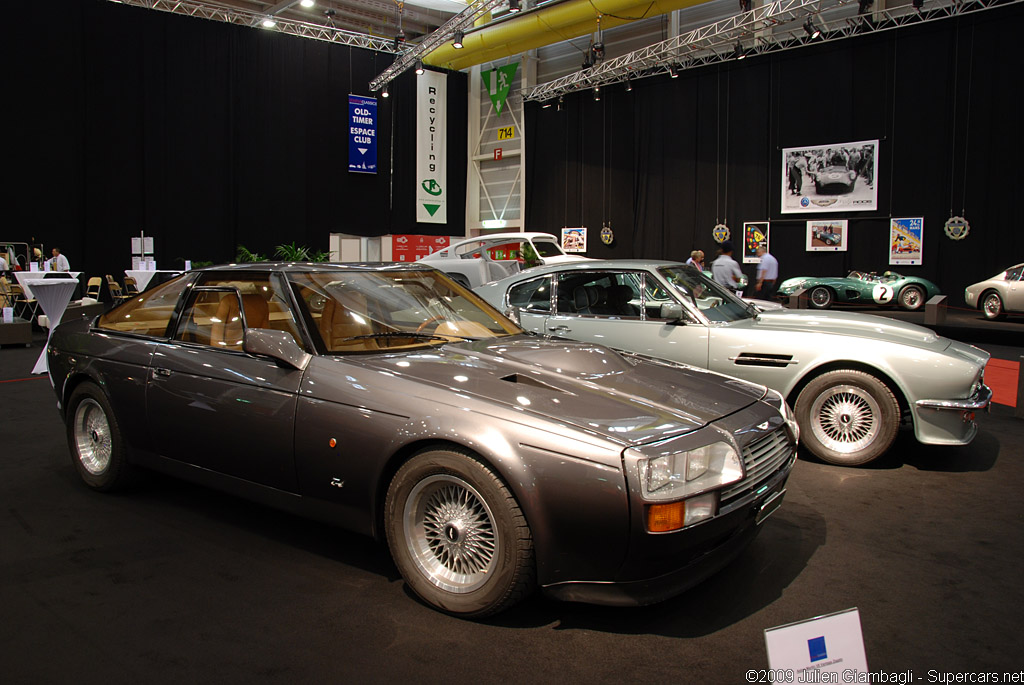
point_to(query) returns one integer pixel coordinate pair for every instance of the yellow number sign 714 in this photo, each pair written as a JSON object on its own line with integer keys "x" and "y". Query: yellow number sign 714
{"x": 506, "y": 132}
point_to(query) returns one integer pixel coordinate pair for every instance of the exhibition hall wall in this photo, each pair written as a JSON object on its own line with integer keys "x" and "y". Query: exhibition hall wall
{"x": 202, "y": 134}
{"x": 664, "y": 163}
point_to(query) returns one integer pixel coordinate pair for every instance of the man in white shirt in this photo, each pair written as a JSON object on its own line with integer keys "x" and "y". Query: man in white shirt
{"x": 724, "y": 269}
{"x": 59, "y": 261}
{"x": 767, "y": 274}
{"x": 3, "y": 264}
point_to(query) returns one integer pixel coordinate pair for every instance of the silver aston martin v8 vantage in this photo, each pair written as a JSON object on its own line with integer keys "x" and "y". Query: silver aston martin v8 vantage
{"x": 394, "y": 402}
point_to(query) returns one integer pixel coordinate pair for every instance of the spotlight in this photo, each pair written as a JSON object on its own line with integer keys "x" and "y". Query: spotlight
{"x": 673, "y": 72}
{"x": 513, "y": 6}
{"x": 329, "y": 13}
{"x": 546, "y": 104}
{"x": 384, "y": 92}
{"x": 457, "y": 40}
{"x": 598, "y": 50}
{"x": 419, "y": 67}
{"x": 308, "y": 3}
{"x": 812, "y": 30}
{"x": 561, "y": 100}
{"x": 629, "y": 85}
{"x": 269, "y": 23}
{"x": 597, "y": 93}
{"x": 738, "y": 52}
{"x": 399, "y": 39}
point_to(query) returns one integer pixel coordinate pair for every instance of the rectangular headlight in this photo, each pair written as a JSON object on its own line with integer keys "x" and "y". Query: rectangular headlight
{"x": 684, "y": 474}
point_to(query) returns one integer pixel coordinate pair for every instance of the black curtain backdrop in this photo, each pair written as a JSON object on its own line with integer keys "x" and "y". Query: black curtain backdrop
{"x": 202, "y": 134}
{"x": 666, "y": 162}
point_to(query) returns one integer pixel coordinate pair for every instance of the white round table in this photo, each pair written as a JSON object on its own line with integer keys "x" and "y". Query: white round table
{"x": 53, "y": 295}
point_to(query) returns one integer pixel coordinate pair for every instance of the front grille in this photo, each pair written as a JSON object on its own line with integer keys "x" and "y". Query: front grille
{"x": 761, "y": 459}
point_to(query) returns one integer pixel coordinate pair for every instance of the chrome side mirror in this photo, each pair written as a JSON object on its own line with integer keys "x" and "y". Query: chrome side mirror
{"x": 673, "y": 312}
{"x": 512, "y": 313}
{"x": 278, "y": 345}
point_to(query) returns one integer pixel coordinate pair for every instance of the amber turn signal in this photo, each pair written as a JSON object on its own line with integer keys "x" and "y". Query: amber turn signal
{"x": 661, "y": 518}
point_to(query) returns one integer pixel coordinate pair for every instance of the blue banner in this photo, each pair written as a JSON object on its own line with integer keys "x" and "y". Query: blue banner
{"x": 362, "y": 134}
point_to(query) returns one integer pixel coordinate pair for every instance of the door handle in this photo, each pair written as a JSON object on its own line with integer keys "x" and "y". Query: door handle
{"x": 162, "y": 372}
{"x": 559, "y": 329}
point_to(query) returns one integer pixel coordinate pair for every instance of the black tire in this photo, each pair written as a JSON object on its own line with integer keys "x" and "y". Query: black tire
{"x": 847, "y": 417}
{"x": 457, "y": 534}
{"x": 820, "y": 297}
{"x": 912, "y": 298}
{"x": 992, "y": 305}
{"x": 95, "y": 439}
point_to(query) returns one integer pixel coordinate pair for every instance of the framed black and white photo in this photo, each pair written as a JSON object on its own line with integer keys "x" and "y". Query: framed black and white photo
{"x": 840, "y": 177}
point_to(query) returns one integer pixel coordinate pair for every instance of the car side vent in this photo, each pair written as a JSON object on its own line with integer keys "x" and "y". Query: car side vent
{"x": 779, "y": 361}
{"x": 520, "y": 379}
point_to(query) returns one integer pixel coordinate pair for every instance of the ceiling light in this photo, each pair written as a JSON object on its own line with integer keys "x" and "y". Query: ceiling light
{"x": 812, "y": 30}
{"x": 738, "y": 51}
{"x": 419, "y": 67}
{"x": 597, "y": 93}
{"x": 561, "y": 100}
{"x": 629, "y": 85}
{"x": 545, "y": 104}
{"x": 384, "y": 92}
{"x": 457, "y": 40}
{"x": 672, "y": 71}
{"x": 308, "y": 3}
{"x": 513, "y": 6}
{"x": 269, "y": 23}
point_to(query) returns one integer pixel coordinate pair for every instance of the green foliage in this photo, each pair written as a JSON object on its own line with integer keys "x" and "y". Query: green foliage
{"x": 244, "y": 255}
{"x": 320, "y": 256}
{"x": 530, "y": 257}
{"x": 292, "y": 253}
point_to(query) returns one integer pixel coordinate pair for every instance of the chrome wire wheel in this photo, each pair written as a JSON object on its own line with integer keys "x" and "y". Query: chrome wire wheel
{"x": 450, "y": 533}
{"x": 821, "y": 297}
{"x": 92, "y": 437}
{"x": 845, "y": 418}
{"x": 911, "y": 298}
{"x": 992, "y": 305}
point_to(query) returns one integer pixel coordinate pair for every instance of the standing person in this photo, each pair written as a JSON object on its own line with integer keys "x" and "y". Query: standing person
{"x": 696, "y": 260}
{"x": 767, "y": 274}
{"x": 59, "y": 261}
{"x": 3, "y": 263}
{"x": 725, "y": 270}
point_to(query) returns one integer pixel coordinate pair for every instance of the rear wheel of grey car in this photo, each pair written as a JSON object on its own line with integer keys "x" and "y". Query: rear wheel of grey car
{"x": 912, "y": 298}
{"x": 847, "y": 417}
{"x": 97, "y": 447}
{"x": 820, "y": 297}
{"x": 457, "y": 534}
{"x": 992, "y": 305}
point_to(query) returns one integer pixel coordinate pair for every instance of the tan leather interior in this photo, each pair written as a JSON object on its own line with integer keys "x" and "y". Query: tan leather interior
{"x": 226, "y": 332}
{"x": 339, "y": 322}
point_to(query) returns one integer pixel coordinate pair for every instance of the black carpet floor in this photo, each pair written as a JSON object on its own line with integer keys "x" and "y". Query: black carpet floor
{"x": 172, "y": 583}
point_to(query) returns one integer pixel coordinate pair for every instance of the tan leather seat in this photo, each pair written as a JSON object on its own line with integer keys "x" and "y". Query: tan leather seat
{"x": 227, "y": 332}
{"x": 341, "y": 322}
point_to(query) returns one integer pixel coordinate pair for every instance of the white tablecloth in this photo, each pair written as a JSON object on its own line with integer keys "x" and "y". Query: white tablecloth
{"x": 24, "y": 276}
{"x": 142, "y": 278}
{"x": 53, "y": 295}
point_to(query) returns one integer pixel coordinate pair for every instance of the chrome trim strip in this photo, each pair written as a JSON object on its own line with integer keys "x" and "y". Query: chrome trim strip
{"x": 978, "y": 400}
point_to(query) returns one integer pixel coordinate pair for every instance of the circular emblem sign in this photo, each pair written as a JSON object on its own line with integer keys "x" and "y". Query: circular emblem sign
{"x": 607, "y": 237}
{"x": 882, "y": 294}
{"x": 721, "y": 233}
{"x": 957, "y": 228}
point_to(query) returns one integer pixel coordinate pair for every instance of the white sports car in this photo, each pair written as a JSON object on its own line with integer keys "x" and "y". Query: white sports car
{"x": 475, "y": 261}
{"x": 1000, "y": 294}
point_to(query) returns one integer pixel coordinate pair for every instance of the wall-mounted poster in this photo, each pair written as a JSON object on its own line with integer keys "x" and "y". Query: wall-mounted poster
{"x": 826, "y": 235}
{"x": 830, "y": 178}
{"x": 905, "y": 239}
{"x": 574, "y": 239}
{"x": 755, "y": 234}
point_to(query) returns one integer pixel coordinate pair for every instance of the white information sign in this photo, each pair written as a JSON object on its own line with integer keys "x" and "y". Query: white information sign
{"x": 802, "y": 651}
{"x": 136, "y": 245}
{"x": 431, "y": 150}
{"x": 8, "y": 314}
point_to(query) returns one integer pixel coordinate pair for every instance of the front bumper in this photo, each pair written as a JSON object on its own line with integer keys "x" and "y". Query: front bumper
{"x": 950, "y": 422}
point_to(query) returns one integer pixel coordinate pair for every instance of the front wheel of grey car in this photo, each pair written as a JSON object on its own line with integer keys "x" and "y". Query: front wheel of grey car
{"x": 97, "y": 447}
{"x": 458, "y": 535}
{"x": 992, "y": 305}
{"x": 847, "y": 417}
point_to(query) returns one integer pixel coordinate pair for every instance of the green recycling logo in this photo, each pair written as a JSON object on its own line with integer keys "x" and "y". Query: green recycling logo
{"x": 431, "y": 186}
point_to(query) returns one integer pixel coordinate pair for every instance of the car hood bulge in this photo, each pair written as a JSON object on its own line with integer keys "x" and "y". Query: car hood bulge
{"x": 853, "y": 324}
{"x": 591, "y": 387}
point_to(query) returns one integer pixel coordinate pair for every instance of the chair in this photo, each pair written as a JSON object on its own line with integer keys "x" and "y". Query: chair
{"x": 131, "y": 286}
{"x": 6, "y": 299}
{"x": 92, "y": 288}
{"x": 20, "y": 298}
{"x": 227, "y": 332}
{"x": 340, "y": 323}
{"x": 116, "y": 293}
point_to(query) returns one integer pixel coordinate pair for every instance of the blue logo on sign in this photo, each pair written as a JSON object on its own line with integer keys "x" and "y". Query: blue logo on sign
{"x": 804, "y": 202}
{"x": 816, "y": 646}
{"x": 362, "y": 134}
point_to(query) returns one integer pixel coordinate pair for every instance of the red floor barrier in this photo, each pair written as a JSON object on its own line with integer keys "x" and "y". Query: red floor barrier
{"x": 1002, "y": 375}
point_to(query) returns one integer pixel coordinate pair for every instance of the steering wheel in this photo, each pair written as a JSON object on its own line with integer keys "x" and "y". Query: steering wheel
{"x": 419, "y": 329}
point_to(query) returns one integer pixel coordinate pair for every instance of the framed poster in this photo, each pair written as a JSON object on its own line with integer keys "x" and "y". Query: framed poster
{"x": 755, "y": 234}
{"x": 826, "y": 235}
{"x": 839, "y": 177}
{"x": 574, "y": 239}
{"x": 905, "y": 238}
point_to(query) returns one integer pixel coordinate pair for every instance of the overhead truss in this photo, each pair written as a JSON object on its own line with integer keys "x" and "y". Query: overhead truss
{"x": 770, "y": 28}
{"x": 233, "y": 15}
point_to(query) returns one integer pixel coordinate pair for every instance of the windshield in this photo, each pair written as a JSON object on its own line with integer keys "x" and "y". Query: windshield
{"x": 714, "y": 301}
{"x": 546, "y": 248}
{"x": 382, "y": 310}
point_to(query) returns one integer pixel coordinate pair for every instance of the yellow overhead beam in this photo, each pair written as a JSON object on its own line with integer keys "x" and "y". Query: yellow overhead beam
{"x": 545, "y": 26}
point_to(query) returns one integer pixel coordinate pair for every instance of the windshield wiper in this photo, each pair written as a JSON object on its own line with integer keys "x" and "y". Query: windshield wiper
{"x": 416, "y": 336}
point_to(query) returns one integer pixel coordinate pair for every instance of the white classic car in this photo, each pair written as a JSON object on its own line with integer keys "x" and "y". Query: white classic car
{"x": 1000, "y": 294}
{"x": 470, "y": 262}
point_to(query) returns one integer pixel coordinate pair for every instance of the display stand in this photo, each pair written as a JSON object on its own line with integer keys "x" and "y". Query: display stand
{"x": 53, "y": 296}
{"x": 935, "y": 311}
{"x": 18, "y": 332}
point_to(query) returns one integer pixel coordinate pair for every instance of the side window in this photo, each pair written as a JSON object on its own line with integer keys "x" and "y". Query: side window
{"x": 599, "y": 294}
{"x": 533, "y": 296}
{"x": 148, "y": 313}
{"x": 1015, "y": 274}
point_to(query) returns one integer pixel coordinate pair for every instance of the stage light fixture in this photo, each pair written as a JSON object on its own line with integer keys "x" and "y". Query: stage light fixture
{"x": 308, "y": 3}
{"x": 513, "y": 6}
{"x": 269, "y": 23}
{"x": 457, "y": 40}
{"x": 384, "y": 92}
{"x": 419, "y": 67}
{"x": 629, "y": 85}
{"x": 597, "y": 93}
{"x": 561, "y": 100}
{"x": 673, "y": 71}
{"x": 546, "y": 104}
{"x": 812, "y": 30}
{"x": 738, "y": 52}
